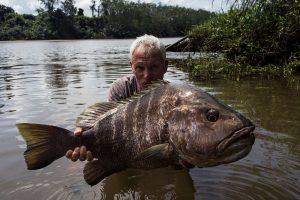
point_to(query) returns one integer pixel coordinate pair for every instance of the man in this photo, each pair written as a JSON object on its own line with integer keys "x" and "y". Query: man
{"x": 148, "y": 63}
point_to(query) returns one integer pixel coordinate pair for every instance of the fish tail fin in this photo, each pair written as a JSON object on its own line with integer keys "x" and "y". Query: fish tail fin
{"x": 44, "y": 143}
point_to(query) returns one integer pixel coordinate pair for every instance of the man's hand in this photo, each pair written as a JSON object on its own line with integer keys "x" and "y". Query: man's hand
{"x": 79, "y": 152}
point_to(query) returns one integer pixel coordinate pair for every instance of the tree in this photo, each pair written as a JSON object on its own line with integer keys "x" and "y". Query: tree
{"x": 68, "y": 7}
{"x": 48, "y": 5}
{"x": 80, "y": 12}
{"x": 93, "y": 8}
{"x": 99, "y": 9}
{"x": 104, "y": 7}
{"x": 111, "y": 18}
{"x": 3, "y": 11}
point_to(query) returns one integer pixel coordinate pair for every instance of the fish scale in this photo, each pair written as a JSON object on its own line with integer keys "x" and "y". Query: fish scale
{"x": 166, "y": 125}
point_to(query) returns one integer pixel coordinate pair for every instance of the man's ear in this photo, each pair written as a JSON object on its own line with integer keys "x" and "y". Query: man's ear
{"x": 131, "y": 65}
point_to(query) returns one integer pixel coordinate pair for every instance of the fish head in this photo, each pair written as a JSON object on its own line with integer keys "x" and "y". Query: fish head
{"x": 206, "y": 132}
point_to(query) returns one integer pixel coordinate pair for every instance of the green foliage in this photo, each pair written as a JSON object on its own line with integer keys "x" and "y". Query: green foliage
{"x": 68, "y": 7}
{"x": 212, "y": 68}
{"x": 15, "y": 26}
{"x": 115, "y": 19}
{"x": 127, "y": 19}
{"x": 80, "y": 12}
{"x": 88, "y": 28}
{"x": 49, "y": 5}
{"x": 4, "y": 11}
{"x": 253, "y": 32}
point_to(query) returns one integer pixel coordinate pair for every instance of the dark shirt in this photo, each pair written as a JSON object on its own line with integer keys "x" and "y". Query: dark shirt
{"x": 123, "y": 88}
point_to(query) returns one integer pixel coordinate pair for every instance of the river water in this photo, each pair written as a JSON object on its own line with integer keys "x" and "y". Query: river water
{"x": 52, "y": 82}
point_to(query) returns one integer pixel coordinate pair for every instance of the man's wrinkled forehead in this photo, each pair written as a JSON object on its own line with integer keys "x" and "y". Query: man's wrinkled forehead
{"x": 147, "y": 52}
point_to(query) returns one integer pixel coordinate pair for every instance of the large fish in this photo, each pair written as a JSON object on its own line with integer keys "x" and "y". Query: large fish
{"x": 165, "y": 125}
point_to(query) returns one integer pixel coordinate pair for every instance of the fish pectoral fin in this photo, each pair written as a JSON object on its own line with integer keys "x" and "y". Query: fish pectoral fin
{"x": 157, "y": 152}
{"x": 95, "y": 171}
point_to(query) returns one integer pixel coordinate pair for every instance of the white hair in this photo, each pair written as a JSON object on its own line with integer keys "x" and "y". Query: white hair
{"x": 148, "y": 42}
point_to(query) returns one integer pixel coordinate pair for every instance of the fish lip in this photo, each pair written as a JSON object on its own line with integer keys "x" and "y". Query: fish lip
{"x": 236, "y": 135}
{"x": 232, "y": 148}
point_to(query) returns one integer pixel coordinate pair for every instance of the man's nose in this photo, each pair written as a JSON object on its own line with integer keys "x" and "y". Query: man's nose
{"x": 146, "y": 74}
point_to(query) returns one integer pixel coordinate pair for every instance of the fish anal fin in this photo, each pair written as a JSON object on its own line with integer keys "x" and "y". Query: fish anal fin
{"x": 95, "y": 171}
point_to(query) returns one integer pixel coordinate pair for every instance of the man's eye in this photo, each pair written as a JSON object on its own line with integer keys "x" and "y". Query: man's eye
{"x": 140, "y": 68}
{"x": 153, "y": 68}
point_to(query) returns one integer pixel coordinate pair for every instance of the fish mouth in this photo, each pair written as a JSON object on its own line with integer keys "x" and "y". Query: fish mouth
{"x": 234, "y": 147}
{"x": 237, "y": 140}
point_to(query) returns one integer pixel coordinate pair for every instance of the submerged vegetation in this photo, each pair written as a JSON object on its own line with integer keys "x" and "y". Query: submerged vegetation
{"x": 255, "y": 37}
{"x": 60, "y": 19}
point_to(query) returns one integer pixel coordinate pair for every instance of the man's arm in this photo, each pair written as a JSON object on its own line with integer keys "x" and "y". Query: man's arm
{"x": 120, "y": 89}
{"x": 114, "y": 93}
{"x": 81, "y": 153}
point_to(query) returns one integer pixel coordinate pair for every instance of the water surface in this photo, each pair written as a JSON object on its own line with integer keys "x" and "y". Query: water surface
{"x": 51, "y": 82}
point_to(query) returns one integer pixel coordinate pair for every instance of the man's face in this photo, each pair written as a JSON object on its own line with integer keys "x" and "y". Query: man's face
{"x": 148, "y": 66}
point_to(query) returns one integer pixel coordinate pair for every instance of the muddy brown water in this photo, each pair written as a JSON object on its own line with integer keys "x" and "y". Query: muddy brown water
{"x": 51, "y": 82}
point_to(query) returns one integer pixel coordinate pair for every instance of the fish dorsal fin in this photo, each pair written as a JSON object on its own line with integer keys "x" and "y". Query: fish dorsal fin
{"x": 148, "y": 88}
{"x": 153, "y": 85}
{"x": 94, "y": 113}
{"x": 98, "y": 111}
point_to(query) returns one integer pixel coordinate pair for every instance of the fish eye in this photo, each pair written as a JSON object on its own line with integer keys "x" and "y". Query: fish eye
{"x": 212, "y": 115}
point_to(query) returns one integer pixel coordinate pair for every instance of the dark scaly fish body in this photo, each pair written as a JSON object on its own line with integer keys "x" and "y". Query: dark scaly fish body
{"x": 167, "y": 125}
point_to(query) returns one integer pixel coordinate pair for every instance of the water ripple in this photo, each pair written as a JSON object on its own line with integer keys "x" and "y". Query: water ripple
{"x": 51, "y": 82}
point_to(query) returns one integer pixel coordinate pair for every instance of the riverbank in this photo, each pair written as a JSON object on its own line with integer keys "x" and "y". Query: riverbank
{"x": 256, "y": 38}
{"x": 215, "y": 68}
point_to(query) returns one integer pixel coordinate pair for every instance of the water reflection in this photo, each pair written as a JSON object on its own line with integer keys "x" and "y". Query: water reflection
{"x": 155, "y": 184}
{"x": 56, "y": 76}
{"x": 51, "y": 82}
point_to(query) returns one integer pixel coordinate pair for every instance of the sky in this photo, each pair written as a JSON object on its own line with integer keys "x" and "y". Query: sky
{"x": 30, "y": 6}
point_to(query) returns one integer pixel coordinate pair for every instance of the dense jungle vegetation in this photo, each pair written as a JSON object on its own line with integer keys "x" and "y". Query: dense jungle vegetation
{"x": 60, "y": 19}
{"x": 253, "y": 37}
